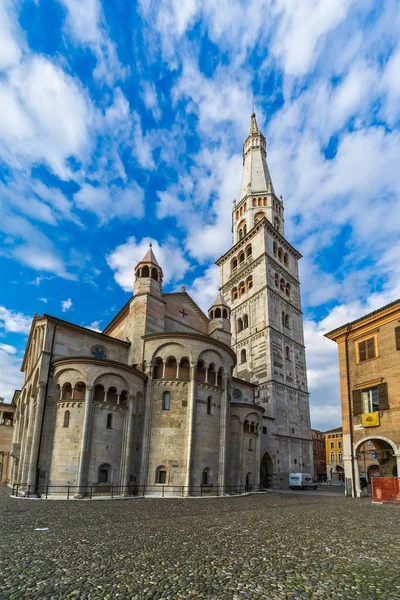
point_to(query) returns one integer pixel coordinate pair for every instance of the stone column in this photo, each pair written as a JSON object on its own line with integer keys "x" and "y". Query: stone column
{"x": 85, "y": 439}
{"x": 223, "y": 440}
{"x": 164, "y": 364}
{"x": 190, "y": 420}
{"x": 397, "y": 456}
{"x": 41, "y": 397}
{"x": 28, "y": 439}
{"x": 257, "y": 452}
{"x": 357, "y": 488}
{"x": 206, "y": 377}
{"x": 144, "y": 467}
{"x": 239, "y": 473}
{"x": 127, "y": 450}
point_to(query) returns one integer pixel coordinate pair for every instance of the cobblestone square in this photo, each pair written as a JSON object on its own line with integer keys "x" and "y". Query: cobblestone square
{"x": 266, "y": 546}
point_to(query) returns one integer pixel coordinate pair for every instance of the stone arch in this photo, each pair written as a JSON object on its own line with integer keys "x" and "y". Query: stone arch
{"x": 170, "y": 349}
{"x": 112, "y": 395}
{"x": 98, "y": 393}
{"x": 206, "y": 476}
{"x": 184, "y": 368}
{"x": 66, "y": 393}
{"x": 79, "y": 390}
{"x": 200, "y": 371}
{"x": 267, "y": 471}
{"x": 170, "y": 367}
{"x": 373, "y": 438}
{"x": 112, "y": 379}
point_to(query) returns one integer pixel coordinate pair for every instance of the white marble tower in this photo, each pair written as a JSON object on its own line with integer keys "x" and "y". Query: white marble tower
{"x": 260, "y": 281}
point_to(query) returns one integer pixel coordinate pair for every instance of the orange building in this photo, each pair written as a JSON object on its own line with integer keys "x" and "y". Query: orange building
{"x": 370, "y": 395}
{"x": 334, "y": 454}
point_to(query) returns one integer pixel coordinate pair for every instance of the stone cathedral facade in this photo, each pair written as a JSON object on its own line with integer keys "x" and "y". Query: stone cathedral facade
{"x": 167, "y": 397}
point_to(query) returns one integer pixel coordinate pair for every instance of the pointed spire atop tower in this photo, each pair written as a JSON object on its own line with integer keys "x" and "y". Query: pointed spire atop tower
{"x": 253, "y": 124}
{"x": 148, "y": 275}
{"x": 149, "y": 256}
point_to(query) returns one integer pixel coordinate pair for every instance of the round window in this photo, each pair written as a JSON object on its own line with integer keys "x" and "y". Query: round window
{"x": 98, "y": 352}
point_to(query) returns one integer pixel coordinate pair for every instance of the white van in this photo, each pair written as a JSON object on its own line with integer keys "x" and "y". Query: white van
{"x": 302, "y": 481}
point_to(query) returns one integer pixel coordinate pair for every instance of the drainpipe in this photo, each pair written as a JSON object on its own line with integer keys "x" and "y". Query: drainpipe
{"x": 353, "y": 478}
{"x": 45, "y": 398}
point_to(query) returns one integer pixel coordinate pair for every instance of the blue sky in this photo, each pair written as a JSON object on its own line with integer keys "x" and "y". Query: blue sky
{"x": 122, "y": 123}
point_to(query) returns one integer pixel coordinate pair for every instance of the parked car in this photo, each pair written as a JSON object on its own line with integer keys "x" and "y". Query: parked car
{"x": 302, "y": 481}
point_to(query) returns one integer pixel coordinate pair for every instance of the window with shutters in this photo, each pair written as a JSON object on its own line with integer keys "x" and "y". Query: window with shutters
{"x": 370, "y": 399}
{"x": 397, "y": 337}
{"x": 366, "y": 349}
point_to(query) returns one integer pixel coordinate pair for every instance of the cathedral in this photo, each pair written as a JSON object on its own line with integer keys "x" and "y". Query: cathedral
{"x": 168, "y": 398}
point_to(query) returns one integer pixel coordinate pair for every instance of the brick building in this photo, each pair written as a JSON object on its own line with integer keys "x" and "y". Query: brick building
{"x": 370, "y": 392}
{"x": 318, "y": 439}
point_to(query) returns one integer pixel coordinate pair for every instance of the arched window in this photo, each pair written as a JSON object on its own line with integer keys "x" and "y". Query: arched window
{"x": 282, "y": 284}
{"x": 241, "y": 210}
{"x": 242, "y": 288}
{"x": 224, "y": 313}
{"x": 237, "y": 214}
{"x": 276, "y": 279}
{"x": 250, "y": 282}
{"x": 251, "y": 444}
{"x": 280, "y": 253}
{"x": 265, "y": 201}
{"x": 206, "y": 478}
{"x": 254, "y": 201}
{"x": 201, "y": 372}
{"x": 276, "y": 223}
{"x": 112, "y": 395}
{"x": 161, "y": 475}
{"x": 286, "y": 259}
{"x": 244, "y": 229}
{"x": 158, "y": 368}
{"x": 288, "y": 289}
{"x": 66, "y": 391}
{"x": 246, "y": 426}
{"x": 166, "y": 401}
{"x": 239, "y": 325}
{"x": 184, "y": 369}
{"x": 258, "y": 217}
{"x": 154, "y": 274}
{"x": 287, "y": 353}
{"x": 332, "y": 457}
{"x": 99, "y": 393}
{"x": 283, "y": 318}
{"x": 66, "y": 418}
{"x": 260, "y": 202}
{"x": 145, "y": 271}
{"x": 252, "y": 427}
{"x": 245, "y": 206}
{"x": 234, "y": 264}
{"x": 241, "y": 257}
{"x": 240, "y": 234}
{"x": 104, "y": 475}
{"x": 234, "y": 294}
{"x": 79, "y": 391}
{"x": 109, "y": 421}
{"x": 249, "y": 251}
{"x": 209, "y": 405}
{"x": 245, "y": 321}
{"x": 287, "y": 321}
{"x": 275, "y": 248}
{"x": 170, "y": 368}
{"x": 243, "y": 356}
{"x": 218, "y": 313}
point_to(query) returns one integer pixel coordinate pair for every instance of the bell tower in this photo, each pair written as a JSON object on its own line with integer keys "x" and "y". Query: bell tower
{"x": 259, "y": 279}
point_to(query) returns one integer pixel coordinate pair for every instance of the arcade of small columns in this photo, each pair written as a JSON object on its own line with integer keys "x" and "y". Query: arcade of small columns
{"x": 28, "y": 426}
{"x": 195, "y": 372}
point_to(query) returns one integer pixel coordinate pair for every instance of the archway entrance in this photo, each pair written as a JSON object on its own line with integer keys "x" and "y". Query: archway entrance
{"x": 374, "y": 456}
{"x": 267, "y": 472}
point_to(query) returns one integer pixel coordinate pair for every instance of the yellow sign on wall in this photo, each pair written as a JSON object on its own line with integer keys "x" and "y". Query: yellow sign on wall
{"x": 370, "y": 419}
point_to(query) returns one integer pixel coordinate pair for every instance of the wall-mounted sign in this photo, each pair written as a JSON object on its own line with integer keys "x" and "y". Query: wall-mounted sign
{"x": 370, "y": 419}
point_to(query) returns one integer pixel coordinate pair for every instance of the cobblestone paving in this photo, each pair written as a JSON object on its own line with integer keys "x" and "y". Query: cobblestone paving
{"x": 268, "y": 546}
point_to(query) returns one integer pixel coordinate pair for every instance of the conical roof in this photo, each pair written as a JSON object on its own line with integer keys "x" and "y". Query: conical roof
{"x": 256, "y": 177}
{"x": 219, "y": 301}
{"x": 149, "y": 257}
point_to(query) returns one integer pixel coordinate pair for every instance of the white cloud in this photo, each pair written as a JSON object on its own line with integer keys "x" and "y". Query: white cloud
{"x": 14, "y": 322}
{"x": 66, "y": 304}
{"x": 126, "y": 256}
{"x": 45, "y": 116}
{"x": 204, "y": 289}
{"x": 43, "y": 300}
{"x": 86, "y": 24}
{"x": 95, "y": 326}
{"x": 8, "y": 349}
{"x": 301, "y": 27}
{"x": 10, "y": 372}
{"x": 110, "y": 202}
{"x": 10, "y": 48}
{"x": 149, "y": 96}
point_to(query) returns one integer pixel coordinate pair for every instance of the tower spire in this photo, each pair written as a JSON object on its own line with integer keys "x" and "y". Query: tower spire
{"x": 253, "y": 124}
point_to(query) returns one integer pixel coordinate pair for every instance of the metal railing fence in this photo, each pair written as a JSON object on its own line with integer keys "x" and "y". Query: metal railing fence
{"x": 70, "y": 492}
